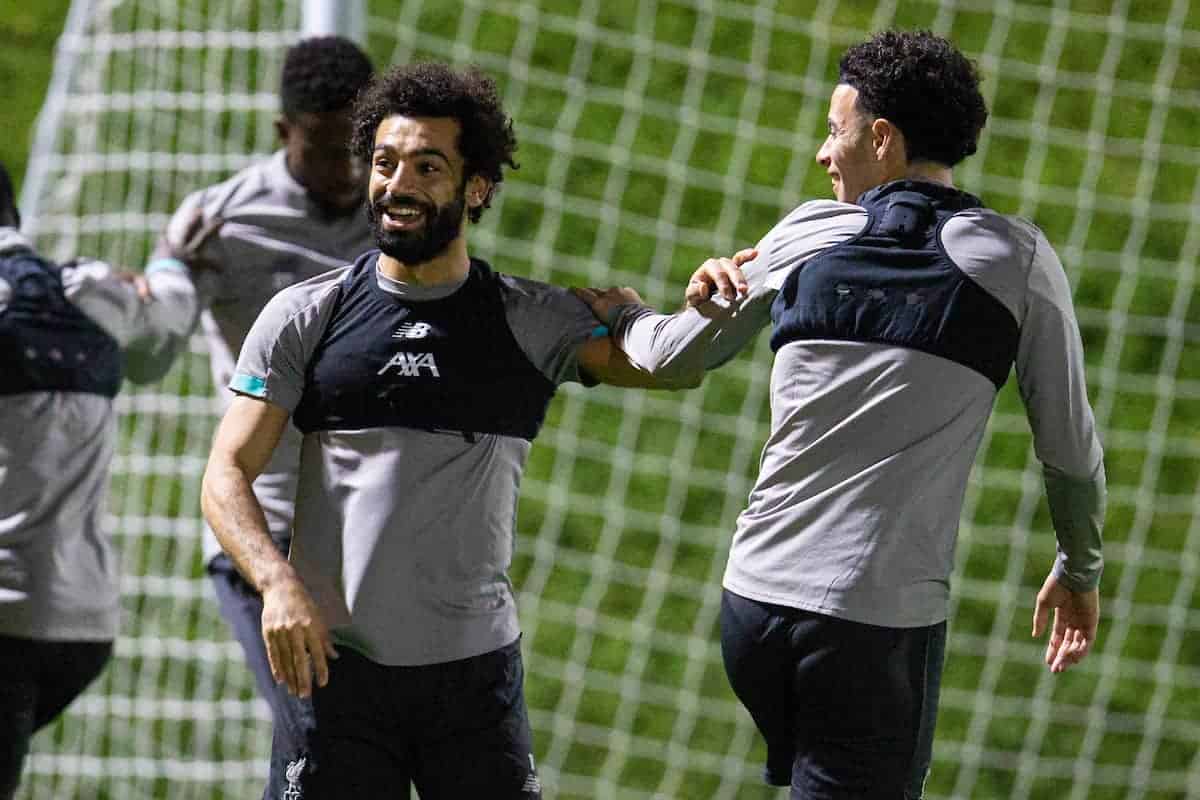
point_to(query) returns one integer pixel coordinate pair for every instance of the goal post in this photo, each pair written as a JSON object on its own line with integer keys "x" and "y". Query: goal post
{"x": 346, "y": 18}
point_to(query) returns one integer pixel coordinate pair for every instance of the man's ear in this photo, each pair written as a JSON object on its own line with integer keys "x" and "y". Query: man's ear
{"x": 283, "y": 128}
{"x": 886, "y": 139}
{"x": 479, "y": 191}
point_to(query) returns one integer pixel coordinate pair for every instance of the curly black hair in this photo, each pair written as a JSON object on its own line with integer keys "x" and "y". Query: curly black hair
{"x": 486, "y": 139}
{"x": 925, "y": 86}
{"x": 322, "y": 73}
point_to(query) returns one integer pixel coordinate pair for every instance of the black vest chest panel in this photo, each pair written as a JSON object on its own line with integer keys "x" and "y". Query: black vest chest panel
{"x": 46, "y": 343}
{"x": 894, "y": 284}
{"x": 447, "y": 365}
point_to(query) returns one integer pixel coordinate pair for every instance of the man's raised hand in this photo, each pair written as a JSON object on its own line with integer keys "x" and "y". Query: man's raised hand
{"x": 721, "y": 276}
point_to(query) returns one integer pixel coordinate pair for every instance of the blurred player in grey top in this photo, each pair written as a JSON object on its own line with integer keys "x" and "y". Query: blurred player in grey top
{"x": 897, "y": 313}
{"x": 419, "y": 378}
{"x": 67, "y": 336}
{"x": 282, "y": 220}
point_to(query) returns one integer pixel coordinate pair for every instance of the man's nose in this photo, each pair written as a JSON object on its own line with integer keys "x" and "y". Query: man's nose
{"x": 401, "y": 176}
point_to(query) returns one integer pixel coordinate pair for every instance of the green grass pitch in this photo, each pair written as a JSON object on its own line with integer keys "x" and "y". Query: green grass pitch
{"x": 629, "y": 500}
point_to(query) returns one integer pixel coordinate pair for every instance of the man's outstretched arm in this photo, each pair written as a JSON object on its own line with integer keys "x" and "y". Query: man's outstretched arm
{"x": 676, "y": 349}
{"x": 297, "y": 639}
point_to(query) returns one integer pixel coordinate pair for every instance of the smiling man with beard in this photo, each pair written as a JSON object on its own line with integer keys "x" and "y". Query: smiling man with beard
{"x": 419, "y": 378}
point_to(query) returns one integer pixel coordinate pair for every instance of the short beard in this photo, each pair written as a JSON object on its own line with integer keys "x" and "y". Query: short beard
{"x": 442, "y": 226}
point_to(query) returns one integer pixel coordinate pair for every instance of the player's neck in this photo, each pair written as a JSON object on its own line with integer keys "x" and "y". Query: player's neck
{"x": 930, "y": 171}
{"x": 449, "y": 267}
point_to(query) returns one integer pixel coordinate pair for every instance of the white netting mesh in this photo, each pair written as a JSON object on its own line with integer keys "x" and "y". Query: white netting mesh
{"x": 654, "y": 134}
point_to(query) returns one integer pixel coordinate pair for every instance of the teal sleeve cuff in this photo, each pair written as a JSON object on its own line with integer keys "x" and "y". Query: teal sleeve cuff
{"x": 599, "y": 332}
{"x": 249, "y": 384}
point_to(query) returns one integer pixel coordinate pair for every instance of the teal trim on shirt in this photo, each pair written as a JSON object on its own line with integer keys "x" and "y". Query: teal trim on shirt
{"x": 249, "y": 384}
{"x": 599, "y": 332}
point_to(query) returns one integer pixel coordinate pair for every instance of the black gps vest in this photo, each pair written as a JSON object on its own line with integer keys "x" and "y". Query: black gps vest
{"x": 894, "y": 284}
{"x": 450, "y": 364}
{"x": 46, "y": 343}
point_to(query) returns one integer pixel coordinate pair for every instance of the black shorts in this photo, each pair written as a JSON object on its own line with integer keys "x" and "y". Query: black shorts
{"x": 847, "y": 709}
{"x": 454, "y": 730}
{"x": 38, "y": 679}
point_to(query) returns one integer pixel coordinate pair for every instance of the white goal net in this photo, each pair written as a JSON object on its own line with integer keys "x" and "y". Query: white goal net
{"x": 654, "y": 134}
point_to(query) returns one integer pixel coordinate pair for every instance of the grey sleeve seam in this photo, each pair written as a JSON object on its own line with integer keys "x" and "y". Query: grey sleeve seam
{"x": 1033, "y": 254}
{"x": 283, "y": 327}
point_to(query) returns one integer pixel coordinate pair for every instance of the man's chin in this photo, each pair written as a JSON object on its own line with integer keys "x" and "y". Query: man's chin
{"x": 409, "y": 253}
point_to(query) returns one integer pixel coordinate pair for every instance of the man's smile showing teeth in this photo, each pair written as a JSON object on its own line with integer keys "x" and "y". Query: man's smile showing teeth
{"x": 403, "y": 216}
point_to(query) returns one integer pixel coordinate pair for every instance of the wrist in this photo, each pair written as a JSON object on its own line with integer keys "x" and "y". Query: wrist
{"x": 275, "y": 576}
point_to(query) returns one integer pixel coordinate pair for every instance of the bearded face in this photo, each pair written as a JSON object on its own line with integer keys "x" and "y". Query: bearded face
{"x": 412, "y": 230}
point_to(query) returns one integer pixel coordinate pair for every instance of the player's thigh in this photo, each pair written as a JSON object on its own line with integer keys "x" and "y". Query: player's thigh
{"x": 67, "y": 669}
{"x": 930, "y": 693}
{"x": 18, "y": 701}
{"x": 482, "y": 744}
{"x": 863, "y": 701}
{"x": 351, "y": 748}
{"x": 760, "y": 666}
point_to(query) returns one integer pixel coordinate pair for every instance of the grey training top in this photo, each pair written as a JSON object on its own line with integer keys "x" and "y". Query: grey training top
{"x": 58, "y": 572}
{"x": 402, "y": 536}
{"x": 273, "y": 237}
{"x": 856, "y": 508}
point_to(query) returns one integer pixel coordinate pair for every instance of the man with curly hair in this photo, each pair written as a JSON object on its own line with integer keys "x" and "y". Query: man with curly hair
{"x": 897, "y": 313}
{"x": 281, "y": 220}
{"x": 419, "y": 378}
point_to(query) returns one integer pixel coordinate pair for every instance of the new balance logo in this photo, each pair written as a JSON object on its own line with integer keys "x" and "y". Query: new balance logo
{"x": 412, "y": 330}
{"x": 411, "y": 364}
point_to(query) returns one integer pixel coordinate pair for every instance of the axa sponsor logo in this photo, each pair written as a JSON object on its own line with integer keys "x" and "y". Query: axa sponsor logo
{"x": 412, "y": 330}
{"x": 411, "y": 364}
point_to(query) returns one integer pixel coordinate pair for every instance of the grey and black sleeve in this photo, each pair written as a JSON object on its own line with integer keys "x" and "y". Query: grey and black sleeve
{"x": 705, "y": 337}
{"x": 1050, "y": 372}
{"x": 150, "y": 331}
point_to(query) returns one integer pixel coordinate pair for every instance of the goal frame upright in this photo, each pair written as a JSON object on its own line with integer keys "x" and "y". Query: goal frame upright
{"x": 346, "y": 18}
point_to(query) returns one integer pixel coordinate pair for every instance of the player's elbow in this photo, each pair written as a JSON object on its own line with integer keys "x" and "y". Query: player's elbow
{"x": 679, "y": 370}
{"x": 221, "y": 477}
{"x": 146, "y": 363}
{"x": 209, "y": 491}
{"x": 680, "y": 379}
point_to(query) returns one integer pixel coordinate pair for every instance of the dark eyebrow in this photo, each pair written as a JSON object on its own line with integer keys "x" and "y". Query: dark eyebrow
{"x": 424, "y": 151}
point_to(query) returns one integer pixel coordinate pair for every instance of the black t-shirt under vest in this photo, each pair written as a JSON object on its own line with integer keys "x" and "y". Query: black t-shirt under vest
{"x": 450, "y": 364}
{"x": 894, "y": 284}
{"x": 46, "y": 343}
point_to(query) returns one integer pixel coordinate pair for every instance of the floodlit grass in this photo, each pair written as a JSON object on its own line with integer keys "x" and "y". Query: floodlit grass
{"x": 649, "y": 141}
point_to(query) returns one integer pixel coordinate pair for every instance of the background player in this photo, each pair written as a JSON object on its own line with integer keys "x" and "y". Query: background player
{"x": 419, "y": 377}
{"x": 67, "y": 333}
{"x": 897, "y": 313}
{"x": 284, "y": 219}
